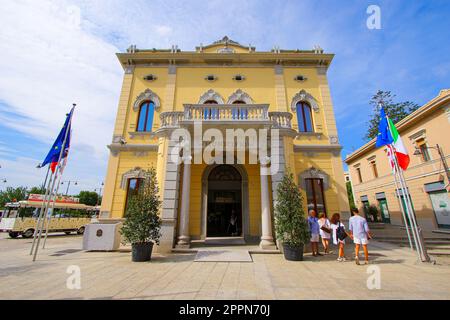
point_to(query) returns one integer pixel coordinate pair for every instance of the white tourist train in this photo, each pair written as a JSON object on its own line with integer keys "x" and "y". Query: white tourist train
{"x": 65, "y": 215}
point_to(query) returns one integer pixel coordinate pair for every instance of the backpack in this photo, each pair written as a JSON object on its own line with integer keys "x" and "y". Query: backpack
{"x": 340, "y": 232}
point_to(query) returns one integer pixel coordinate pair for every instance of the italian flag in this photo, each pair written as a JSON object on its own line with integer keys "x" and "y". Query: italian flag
{"x": 399, "y": 147}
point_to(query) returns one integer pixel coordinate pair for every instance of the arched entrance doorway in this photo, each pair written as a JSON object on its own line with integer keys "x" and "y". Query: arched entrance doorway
{"x": 225, "y": 198}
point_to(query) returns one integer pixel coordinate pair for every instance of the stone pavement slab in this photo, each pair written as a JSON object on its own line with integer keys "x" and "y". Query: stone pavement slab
{"x": 112, "y": 275}
{"x": 223, "y": 256}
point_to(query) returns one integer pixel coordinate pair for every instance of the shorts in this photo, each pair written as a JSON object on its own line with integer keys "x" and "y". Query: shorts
{"x": 360, "y": 240}
{"x": 315, "y": 237}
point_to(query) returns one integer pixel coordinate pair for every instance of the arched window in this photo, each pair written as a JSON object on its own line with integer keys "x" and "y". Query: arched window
{"x": 145, "y": 119}
{"x": 315, "y": 196}
{"x": 133, "y": 186}
{"x": 304, "y": 117}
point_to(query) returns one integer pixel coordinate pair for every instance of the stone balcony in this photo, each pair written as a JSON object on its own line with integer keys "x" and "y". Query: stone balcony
{"x": 226, "y": 114}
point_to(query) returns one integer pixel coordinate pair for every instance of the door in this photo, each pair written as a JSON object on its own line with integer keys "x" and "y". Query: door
{"x": 384, "y": 211}
{"x": 441, "y": 208}
{"x": 224, "y": 207}
{"x": 366, "y": 206}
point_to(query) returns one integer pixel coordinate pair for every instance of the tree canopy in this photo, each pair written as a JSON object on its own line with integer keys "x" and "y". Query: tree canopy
{"x": 12, "y": 195}
{"x": 395, "y": 110}
{"x": 89, "y": 198}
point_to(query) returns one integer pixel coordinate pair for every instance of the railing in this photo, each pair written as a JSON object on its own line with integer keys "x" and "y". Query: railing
{"x": 229, "y": 113}
{"x": 281, "y": 120}
{"x": 226, "y": 112}
{"x": 171, "y": 119}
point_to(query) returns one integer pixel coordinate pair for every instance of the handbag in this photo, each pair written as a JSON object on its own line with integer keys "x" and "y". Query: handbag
{"x": 327, "y": 230}
{"x": 340, "y": 232}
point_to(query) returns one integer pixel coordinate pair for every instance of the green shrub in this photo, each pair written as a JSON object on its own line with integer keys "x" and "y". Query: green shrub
{"x": 142, "y": 222}
{"x": 291, "y": 225}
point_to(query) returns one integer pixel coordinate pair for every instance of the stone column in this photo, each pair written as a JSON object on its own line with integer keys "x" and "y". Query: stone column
{"x": 266, "y": 218}
{"x": 183, "y": 238}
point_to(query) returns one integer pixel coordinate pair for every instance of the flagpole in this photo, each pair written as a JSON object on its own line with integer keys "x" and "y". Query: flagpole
{"x": 409, "y": 210}
{"x": 420, "y": 239}
{"x": 400, "y": 204}
{"x": 58, "y": 167}
{"x": 47, "y": 191}
{"x": 48, "y": 219}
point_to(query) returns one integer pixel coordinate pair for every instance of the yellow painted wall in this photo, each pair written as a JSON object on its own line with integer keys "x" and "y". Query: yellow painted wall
{"x": 128, "y": 161}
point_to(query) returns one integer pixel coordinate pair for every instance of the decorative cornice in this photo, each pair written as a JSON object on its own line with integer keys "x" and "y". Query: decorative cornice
{"x": 211, "y": 95}
{"x": 144, "y": 134}
{"x": 319, "y": 148}
{"x": 136, "y": 173}
{"x": 314, "y": 174}
{"x": 117, "y": 147}
{"x": 334, "y": 139}
{"x": 147, "y": 95}
{"x": 240, "y": 95}
{"x": 304, "y": 96}
{"x": 418, "y": 135}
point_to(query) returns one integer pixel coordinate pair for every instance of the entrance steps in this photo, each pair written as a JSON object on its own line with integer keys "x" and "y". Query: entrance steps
{"x": 225, "y": 244}
{"x": 225, "y": 241}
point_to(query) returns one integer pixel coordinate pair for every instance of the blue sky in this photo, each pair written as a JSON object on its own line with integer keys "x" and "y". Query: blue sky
{"x": 55, "y": 53}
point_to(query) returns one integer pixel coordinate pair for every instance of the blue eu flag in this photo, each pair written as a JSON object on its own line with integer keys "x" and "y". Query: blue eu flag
{"x": 53, "y": 155}
{"x": 384, "y": 136}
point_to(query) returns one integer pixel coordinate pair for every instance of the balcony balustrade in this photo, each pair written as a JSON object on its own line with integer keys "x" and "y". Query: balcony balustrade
{"x": 226, "y": 114}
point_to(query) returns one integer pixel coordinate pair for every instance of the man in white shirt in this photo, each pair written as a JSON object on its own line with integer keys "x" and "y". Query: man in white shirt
{"x": 360, "y": 234}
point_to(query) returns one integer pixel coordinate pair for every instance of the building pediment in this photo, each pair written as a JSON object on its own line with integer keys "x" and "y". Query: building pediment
{"x": 225, "y": 45}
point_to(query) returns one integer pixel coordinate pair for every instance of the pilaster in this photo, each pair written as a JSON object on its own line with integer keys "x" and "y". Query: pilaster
{"x": 280, "y": 89}
{"x": 170, "y": 201}
{"x": 119, "y": 130}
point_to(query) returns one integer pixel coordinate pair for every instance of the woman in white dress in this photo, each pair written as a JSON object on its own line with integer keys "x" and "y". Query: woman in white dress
{"x": 335, "y": 225}
{"x": 325, "y": 231}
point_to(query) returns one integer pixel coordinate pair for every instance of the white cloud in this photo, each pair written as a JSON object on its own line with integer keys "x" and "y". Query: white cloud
{"x": 48, "y": 62}
{"x": 163, "y": 31}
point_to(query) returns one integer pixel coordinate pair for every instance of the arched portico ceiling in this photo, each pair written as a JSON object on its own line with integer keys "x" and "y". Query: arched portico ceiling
{"x": 314, "y": 174}
{"x": 304, "y": 96}
{"x": 211, "y": 95}
{"x": 147, "y": 95}
{"x": 240, "y": 95}
{"x": 136, "y": 173}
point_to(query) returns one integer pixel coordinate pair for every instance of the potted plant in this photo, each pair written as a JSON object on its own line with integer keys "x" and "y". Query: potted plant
{"x": 291, "y": 225}
{"x": 142, "y": 223}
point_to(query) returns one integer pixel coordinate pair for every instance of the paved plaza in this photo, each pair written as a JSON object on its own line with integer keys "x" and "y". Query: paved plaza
{"x": 112, "y": 275}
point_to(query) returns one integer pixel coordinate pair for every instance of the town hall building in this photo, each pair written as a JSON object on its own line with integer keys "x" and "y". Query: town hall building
{"x": 220, "y": 87}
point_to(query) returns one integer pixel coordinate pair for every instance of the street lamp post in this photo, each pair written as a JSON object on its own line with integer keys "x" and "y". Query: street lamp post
{"x": 99, "y": 192}
{"x": 68, "y": 185}
{"x": 417, "y": 152}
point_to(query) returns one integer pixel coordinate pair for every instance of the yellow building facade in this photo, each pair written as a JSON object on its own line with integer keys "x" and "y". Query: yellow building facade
{"x": 218, "y": 88}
